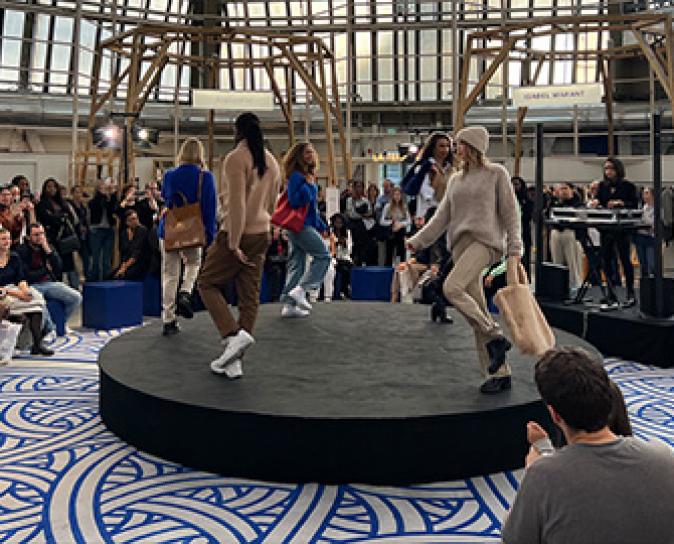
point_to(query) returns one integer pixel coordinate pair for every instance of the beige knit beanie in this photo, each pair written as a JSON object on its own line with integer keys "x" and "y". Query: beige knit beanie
{"x": 477, "y": 137}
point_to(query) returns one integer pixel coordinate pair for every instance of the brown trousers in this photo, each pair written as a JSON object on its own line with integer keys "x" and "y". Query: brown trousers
{"x": 221, "y": 266}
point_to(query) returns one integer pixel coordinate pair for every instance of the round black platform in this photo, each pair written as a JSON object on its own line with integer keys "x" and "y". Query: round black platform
{"x": 360, "y": 392}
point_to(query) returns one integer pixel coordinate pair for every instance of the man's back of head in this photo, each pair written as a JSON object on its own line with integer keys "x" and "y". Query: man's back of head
{"x": 601, "y": 488}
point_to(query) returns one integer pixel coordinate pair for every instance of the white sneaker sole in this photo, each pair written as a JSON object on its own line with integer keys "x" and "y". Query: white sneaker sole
{"x": 231, "y": 370}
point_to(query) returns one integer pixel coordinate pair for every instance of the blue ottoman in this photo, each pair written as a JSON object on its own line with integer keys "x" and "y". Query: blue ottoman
{"x": 112, "y": 304}
{"x": 371, "y": 283}
{"x": 58, "y": 316}
{"x": 152, "y": 295}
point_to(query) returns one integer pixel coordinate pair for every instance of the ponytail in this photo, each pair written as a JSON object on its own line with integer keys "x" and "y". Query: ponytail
{"x": 248, "y": 128}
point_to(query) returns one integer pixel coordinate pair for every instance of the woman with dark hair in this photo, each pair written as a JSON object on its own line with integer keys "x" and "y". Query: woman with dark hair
{"x": 526, "y": 214}
{"x": 189, "y": 183}
{"x": 299, "y": 167}
{"x": 359, "y": 214}
{"x": 342, "y": 254}
{"x": 427, "y": 179}
{"x": 480, "y": 213}
{"x": 58, "y": 220}
{"x": 250, "y": 187}
{"x": 617, "y": 192}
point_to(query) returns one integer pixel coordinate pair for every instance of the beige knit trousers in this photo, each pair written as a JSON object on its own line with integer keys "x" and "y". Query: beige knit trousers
{"x": 463, "y": 288}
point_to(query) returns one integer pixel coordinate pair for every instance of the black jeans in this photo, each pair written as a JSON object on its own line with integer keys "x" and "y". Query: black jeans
{"x": 396, "y": 243}
{"x": 620, "y": 242}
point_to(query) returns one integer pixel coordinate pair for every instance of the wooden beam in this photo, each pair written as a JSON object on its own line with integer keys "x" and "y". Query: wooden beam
{"x": 484, "y": 79}
{"x": 659, "y": 70}
{"x": 327, "y": 119}
{"x": 463, "y": 89}
{"x": 608, "y": 96}
{"x": 346, "y": 153}
{"x": 279, "y": 96}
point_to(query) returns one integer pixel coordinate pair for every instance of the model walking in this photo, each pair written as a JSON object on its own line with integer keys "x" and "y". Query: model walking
{"x": 299, "y": 168}
{"x": 481, "y": 216}
{"x": 251, "y": 182}
{"x": 187, "y": 184}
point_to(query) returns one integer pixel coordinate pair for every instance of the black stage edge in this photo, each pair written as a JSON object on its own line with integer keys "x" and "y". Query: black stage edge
{"x": 624, "y": 333}
{"x": 360, "y": 392}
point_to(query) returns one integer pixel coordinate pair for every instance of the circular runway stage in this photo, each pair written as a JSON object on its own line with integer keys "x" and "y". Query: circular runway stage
{"x": 360, "y": 392}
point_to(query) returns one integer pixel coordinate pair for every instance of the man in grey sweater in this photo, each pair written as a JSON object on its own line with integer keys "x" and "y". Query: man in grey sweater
{"x": 601, "y": 488}
{"x": 480, "y": 214}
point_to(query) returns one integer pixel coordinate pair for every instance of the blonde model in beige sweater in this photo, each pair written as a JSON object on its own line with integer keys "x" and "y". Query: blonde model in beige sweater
{"x": 251, "y": 183}
{"x": 480, "y": 214}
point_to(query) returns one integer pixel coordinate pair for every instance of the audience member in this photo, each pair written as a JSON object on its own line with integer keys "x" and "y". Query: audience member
{"x": 25, "y": 304}
{"x": 360, "y": 215}
{"x": 134, "y": 250}
{"x": 526, "y": 203}
{"x": 11, "y": 217}
{"x": 601, "y": 488}
{"x": 43, "y": 269}
{"x": 149, "y": 207}
{"x": 644, "y": 239}
{"x": 83, "y": 226}
{"x": 102, "y": 234}
{"x": 275, "y": 263}
{"x": 395, "y": 217}
{"x": 564, "y": 246}
{"x": 342, "y": 255}
{"x": 58, "y": 220}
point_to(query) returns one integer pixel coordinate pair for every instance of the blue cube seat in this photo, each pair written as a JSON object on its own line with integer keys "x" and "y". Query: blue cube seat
{"x": 371, "y": 283}
{"x": 152, "y": 295}
{"x": 112, "y": 304}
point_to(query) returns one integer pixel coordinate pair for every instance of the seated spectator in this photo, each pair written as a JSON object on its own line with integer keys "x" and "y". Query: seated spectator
{"x": 25, "y": 304}
{"x": 601, "y": 488}
{"x": 134, "y": 250}
{"x": 42, "y": 265}
{"x": 275, "y": 263}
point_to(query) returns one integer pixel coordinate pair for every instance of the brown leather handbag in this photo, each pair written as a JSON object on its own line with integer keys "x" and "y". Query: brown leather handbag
{"x": 183, "y": 226}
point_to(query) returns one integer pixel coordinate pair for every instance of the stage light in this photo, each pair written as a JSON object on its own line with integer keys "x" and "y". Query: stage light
{"x": 413, "y": 149}
{"x": 143, "y": 134}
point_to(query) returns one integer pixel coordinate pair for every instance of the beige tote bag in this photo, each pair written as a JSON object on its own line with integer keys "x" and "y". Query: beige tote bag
{"x": 523, "y": 316}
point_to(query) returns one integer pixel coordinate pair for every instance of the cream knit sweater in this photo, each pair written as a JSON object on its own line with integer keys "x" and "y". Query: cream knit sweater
{"x": 247, "y": 201}
{"x": 481, "y": 204}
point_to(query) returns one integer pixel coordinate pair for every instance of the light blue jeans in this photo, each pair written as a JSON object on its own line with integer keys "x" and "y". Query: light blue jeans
{"x": 57, "y": 290}
{"x": 307, "y": 242}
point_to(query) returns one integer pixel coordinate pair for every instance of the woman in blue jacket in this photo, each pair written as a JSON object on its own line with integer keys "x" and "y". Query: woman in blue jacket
{"x": 299, "y": 168}
{"x": 184, "y": 180}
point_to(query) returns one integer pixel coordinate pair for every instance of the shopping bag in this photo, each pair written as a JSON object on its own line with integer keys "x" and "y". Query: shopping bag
{"x": 287, "y": 217}
{"x": 9, "y": 334}
{"x": 528, "y": 327}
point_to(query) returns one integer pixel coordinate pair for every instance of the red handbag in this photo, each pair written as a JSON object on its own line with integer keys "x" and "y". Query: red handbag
{"x": 287, "y": 217}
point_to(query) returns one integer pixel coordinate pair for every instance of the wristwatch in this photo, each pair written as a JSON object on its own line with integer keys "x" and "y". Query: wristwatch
{"x": 544, "y": 446}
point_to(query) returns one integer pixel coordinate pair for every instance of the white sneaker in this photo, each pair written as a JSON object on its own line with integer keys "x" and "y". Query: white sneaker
{"x": 327, "y": 299}
{"x": 293, "y": 311}
{"x": 68, "y": 330}
{"x": 49, "y": 337}
{"x": 232, "y": 369}
{"x": 299, "y": 295}
{"x": 234, "y": 347}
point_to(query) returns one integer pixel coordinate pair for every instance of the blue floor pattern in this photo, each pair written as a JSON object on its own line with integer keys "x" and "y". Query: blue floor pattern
{"x": 64, "y": 478}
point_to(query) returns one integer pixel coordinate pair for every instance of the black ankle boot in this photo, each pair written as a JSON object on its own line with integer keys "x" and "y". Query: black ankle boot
{"x": 171, "y": 328}
{"x": 184, "y": 305}
{"x": 496, "y": 385}
{"x": 41, "y": 349}
{"x": 497, "y": 349}
{"x": 439, "y": 313}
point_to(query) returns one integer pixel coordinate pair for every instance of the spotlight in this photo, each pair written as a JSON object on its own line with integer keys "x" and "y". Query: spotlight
{"x": 108, "y": 136}
{"x": 143, "y": 134}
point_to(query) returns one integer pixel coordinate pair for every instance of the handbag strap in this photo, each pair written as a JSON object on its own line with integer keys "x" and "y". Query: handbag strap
{"x": 515, "y": 273}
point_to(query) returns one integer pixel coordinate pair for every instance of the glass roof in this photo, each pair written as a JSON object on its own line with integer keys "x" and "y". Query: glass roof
{"x": 402, "y": 49}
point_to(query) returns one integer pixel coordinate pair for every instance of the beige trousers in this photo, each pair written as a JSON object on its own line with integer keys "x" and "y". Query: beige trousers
{"x": 170, "y": 275}
{"x": 463, "y": 288}
{"x": 564, "y": 250}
